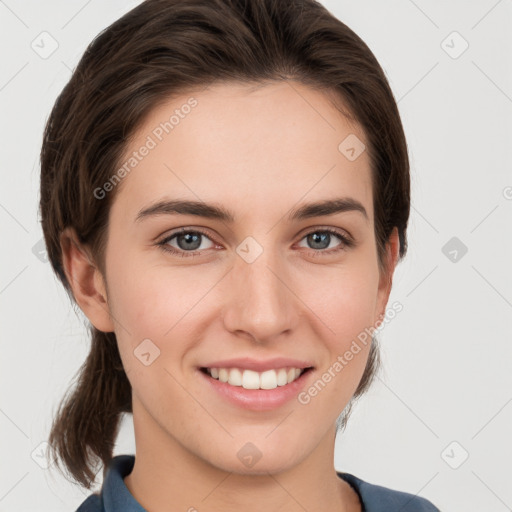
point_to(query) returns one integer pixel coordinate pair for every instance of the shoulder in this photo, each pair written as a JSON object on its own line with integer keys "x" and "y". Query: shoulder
{"x": 91, "y": 504}
{"x": 376, "y": 498}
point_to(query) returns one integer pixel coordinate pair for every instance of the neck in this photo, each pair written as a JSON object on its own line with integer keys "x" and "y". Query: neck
{"x": 165, "y": 472}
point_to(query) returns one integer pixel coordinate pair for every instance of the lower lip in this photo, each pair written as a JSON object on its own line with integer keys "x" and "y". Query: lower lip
{"x": 258, "y": 399}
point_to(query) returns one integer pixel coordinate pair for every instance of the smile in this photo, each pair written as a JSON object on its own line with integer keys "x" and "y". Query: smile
{"x": 250, "y": 379}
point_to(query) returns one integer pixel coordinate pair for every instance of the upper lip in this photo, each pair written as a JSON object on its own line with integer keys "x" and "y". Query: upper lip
{"x": 260, "y": 365}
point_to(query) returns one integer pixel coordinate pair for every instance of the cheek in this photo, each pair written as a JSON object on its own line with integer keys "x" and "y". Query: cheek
{"x": 347, "y": 309}
{"x": 146, "y": 300}
{"x": 160, "y": 304}
{"x": 346, "y": 301}
{"x": 346, "y": 305}
{"x": 150, "y": 316}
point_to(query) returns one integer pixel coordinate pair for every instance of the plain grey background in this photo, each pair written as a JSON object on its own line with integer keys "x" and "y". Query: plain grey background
{"x": 437, "y": 422}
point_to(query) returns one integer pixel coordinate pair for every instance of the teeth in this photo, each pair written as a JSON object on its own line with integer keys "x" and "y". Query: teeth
{"x": 268, "y": 379}
{"x": 282, "y": 377}
{"x": 235, "y": 377}
{"x": 249, "y": 379}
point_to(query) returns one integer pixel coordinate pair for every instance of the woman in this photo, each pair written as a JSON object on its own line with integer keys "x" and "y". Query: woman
{"x": 265, "y": 135}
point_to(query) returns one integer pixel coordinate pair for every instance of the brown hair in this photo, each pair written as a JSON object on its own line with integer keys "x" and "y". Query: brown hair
{"x": 166, "y": 47}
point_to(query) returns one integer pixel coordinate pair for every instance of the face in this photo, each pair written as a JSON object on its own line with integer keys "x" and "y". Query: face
{"x": 266, "y": 288}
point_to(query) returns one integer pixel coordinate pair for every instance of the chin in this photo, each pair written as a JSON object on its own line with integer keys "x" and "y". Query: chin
{"x": 264, "y": 466}
{"x": 255, "y": 458}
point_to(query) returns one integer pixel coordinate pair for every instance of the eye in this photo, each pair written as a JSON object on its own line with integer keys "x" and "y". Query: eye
{"x": 188, "y": 242}
{"x": 321, "y": 239}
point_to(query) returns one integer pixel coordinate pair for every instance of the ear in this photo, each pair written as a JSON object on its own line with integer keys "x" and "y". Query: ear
{"x": 85, "y": 280}
{"x": 386, "y": 278}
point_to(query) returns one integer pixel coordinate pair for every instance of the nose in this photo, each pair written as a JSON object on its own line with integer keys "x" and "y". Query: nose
{"x": 261, "y": 303}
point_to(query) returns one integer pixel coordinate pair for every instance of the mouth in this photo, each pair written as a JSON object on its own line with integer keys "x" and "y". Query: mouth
{"x": 256, "y": 384}
{"x": 253, "y": 380}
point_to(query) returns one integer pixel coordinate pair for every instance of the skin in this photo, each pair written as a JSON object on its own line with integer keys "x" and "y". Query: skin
{"x": 258, "y": 152}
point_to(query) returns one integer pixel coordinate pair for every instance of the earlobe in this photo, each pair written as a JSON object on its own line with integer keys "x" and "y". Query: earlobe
{"x": 85, "y": 280}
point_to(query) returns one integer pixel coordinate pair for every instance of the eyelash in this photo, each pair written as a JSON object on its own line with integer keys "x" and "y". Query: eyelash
{"x": 347, "y": 243}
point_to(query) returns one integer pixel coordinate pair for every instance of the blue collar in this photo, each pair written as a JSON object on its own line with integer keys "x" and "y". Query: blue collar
{"x": 116, "y": 496}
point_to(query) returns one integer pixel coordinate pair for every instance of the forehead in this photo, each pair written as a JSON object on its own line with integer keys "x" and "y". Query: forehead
{"x": 272, "y": 144}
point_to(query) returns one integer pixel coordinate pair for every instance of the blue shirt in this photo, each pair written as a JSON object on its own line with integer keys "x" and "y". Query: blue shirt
{"x": 115, "y": 496}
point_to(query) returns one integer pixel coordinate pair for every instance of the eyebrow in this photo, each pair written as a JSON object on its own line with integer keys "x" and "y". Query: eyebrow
{"x": 217, "y": 212}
